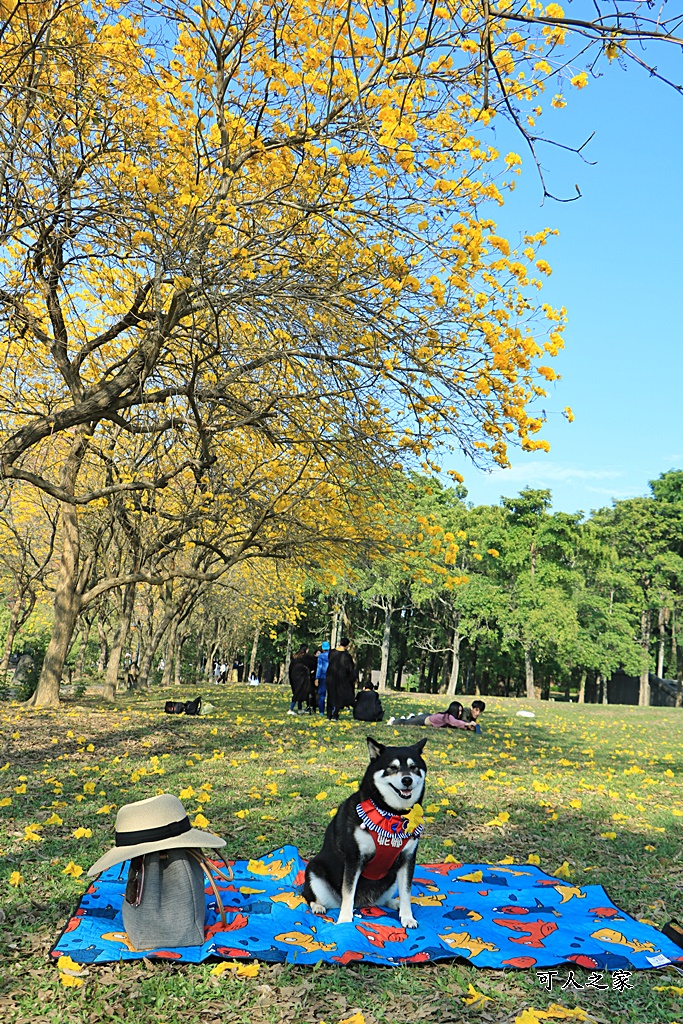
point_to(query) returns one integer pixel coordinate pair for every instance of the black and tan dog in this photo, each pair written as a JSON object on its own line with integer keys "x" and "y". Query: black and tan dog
{"x": 371, "y": 843}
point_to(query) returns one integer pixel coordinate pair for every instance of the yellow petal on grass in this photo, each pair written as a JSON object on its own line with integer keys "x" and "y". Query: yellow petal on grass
{"x": 676, "y": 813}
{"x": 71, "y": 974}
{"x": 507, "y": 860}
{"x": 219, "y": 969}
{"x": 6, "y": 801}
{"x": 533, "y": 858}
{"x": 608, "y": 835}
{"x": 200, "y": 821}
{"x": 15, "y": 879}
{"x": 187, "y": 794}
{"x": 554, "y": 1012}
{"x": 54, "y": 819}
{"x": 71, "y": 981}
{"x": 557, "y": 1012}
{"x": 31, "y": 834}
{"x": 249, "y": 970}
{"x": 321, "y": 796}
{"x": 563, "y": 870}
{"x": 501, "y": 819}
{"x": 473, "y": 996}
{"x": 106, "y": 809}
{"x": 357, "y": 1018}
{"x": 75, "y": 870}
{"x": 82, "y": 833}
{"x": 675, "y": 989}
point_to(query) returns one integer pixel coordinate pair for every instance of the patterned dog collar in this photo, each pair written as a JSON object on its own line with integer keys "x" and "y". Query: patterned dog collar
{"x": 394, "y": 825}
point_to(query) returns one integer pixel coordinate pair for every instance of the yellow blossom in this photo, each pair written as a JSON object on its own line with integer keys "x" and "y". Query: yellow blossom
{"x": 74, "y": 870}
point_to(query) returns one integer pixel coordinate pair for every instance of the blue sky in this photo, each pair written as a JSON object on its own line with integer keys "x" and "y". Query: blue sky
{"x": 618, "y": 269}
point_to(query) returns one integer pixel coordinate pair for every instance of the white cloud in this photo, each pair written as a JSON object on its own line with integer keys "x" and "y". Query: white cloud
{"x": 539, "y": 474}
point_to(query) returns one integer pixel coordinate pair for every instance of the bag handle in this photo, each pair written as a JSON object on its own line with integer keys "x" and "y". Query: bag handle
{"x": 208, "y": 868}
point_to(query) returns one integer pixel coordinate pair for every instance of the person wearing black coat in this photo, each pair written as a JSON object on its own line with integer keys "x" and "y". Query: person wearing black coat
{"x": 342, "y": 676}
{"x": 301, "y": 676}
{"x": 368, "y": 706}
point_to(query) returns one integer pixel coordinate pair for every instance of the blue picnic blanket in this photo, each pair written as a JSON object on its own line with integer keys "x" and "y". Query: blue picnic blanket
{"x": 493, "y": 915}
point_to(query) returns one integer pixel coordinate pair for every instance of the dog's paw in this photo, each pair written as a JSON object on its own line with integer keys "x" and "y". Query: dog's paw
{"x": 407, "y": 920}
{"x": 345, "y": 918}
{"x": 392, "y": 903}
{"x": 317, "y": 908}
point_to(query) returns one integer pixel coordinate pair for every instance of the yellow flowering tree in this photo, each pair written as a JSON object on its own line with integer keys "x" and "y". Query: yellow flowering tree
{"x": 237, "y": 232}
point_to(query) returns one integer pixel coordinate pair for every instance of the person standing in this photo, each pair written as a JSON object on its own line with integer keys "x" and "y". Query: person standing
{"x": 301, "y": 675}
{"x": 321, "y": 674}
{"x": 341, "y": 679}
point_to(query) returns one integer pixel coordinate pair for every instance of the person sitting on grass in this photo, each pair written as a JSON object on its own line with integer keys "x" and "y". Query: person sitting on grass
{"x": 368, "y": 706}
{"x": 450, "y": 718}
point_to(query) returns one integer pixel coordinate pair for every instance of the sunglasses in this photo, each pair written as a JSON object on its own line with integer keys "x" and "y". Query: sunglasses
{"x": 136, "y": 881}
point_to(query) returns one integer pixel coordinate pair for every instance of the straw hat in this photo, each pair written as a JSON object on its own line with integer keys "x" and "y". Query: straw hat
{"x": 158, "y": 823}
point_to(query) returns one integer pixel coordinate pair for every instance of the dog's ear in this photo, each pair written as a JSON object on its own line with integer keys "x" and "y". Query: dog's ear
{"x": 375, "y": 748}
{"x": 420, "y": 745}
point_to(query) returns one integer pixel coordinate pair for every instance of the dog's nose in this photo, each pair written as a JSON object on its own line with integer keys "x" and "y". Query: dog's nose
{"x": 407, "y": 781}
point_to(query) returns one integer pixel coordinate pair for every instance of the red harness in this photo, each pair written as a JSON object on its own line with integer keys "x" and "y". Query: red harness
{"x": 389, "y": 835}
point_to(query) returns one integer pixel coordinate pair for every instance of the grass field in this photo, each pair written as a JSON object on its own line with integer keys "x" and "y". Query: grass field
{"x": 598, "y": 787}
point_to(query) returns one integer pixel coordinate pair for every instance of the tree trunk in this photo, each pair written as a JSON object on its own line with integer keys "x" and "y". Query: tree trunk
{"x": 529, "y": 674}
{"x": 17, "y": 618}
{"x": 581, "y": 699}
{"x": 122, "y": 631}
{"x": 676, "y": 660}
{"x": 288, "y": 653}
{"x": 67, "y": 603}
{"x": 151, "y": 649}
{"x": 455, "y": 664}
{"x": 104, "y": 645}
{"x": 601, "y": 682}
{"x": 178, "y": 660}
{"x": 386, "y": 645}
{"x": 254, "y": 650}
{"x": 663, "y": 616}
{"x": 334, "y": 633}
{"x": 86, "y": 626}
{"x": 171, "y": 652}
{"x": 644, "y": 692}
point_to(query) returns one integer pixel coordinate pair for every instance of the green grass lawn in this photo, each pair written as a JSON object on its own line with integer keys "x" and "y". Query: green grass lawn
{"x": 598, "y": 787}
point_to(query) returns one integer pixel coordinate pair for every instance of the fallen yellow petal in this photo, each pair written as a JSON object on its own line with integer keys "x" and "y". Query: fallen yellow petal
{"x": 75, "y": 870}
{"x": 473, "y": 996}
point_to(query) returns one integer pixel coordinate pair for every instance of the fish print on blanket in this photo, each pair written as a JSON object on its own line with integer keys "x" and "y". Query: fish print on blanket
{"x": 492, "y": 915}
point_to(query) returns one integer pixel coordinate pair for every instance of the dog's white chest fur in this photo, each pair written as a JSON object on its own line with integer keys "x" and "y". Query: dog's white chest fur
{"x": 366, "y": 844}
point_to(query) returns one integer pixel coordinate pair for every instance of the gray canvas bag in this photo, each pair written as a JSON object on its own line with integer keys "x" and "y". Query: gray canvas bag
{"x": 165, "y": 903}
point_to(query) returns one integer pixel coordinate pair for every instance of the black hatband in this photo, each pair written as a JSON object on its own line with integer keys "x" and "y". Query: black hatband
{"x": 153, "y": 835}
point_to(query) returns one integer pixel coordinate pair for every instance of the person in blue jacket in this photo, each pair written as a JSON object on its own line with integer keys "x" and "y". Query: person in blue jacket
{"x": 321, "y": 675}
